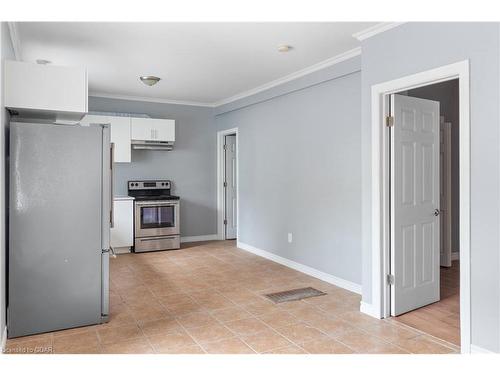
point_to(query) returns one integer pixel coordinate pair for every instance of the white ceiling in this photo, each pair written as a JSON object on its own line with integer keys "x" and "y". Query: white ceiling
{"x": 205, "y": 63}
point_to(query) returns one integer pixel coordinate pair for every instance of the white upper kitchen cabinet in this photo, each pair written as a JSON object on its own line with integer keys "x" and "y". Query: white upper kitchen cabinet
{"x": 120, "y": 134}
{"x": 48, "y": 91}
{"x": 149, "y": 129}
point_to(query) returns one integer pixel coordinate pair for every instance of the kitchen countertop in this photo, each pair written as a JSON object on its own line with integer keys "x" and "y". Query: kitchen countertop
{"x": 123, "y": 198}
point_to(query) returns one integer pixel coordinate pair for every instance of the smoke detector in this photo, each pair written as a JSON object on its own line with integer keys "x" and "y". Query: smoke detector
{"x": 284, "y": 48}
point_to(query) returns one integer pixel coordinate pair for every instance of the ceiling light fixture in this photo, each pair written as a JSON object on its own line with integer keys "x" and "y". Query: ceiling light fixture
{"x": 284, "y": 48}
{"x": 150, "y": 80}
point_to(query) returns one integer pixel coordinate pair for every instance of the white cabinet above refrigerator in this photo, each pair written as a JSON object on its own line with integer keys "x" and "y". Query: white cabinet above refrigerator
{"x": 46, "y": 91}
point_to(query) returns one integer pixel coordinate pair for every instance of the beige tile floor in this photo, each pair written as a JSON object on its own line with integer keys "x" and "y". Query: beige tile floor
{"x": 440, "y": 319}
{"x": 208, "y": 298}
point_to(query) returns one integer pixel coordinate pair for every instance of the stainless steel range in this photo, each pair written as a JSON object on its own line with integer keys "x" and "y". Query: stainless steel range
{"x": 156, "y": 216}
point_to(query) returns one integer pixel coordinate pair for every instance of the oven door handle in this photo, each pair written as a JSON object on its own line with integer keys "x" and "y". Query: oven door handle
{"x": 156, "y": 204}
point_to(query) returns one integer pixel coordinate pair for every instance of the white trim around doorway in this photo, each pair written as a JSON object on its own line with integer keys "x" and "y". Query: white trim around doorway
{"x": 380, "y": 224}
{"x": 221, "y": 202}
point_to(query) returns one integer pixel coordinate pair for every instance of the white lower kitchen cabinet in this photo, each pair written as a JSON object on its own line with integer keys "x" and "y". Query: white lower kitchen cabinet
{"x": 122, "y": 233}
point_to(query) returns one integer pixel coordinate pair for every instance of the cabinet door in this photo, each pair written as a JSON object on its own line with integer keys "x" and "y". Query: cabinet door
{"x": 120, "y": 136}
{"x": 122, "y": 234}
{"x": 142, "y": 129}
{"x": 152, "y": 129}
{"x": 45, "y": 87}
{"x": 164, "y": 130}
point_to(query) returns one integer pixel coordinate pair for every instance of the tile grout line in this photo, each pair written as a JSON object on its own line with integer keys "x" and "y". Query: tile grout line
{"x": 435, "y": 339}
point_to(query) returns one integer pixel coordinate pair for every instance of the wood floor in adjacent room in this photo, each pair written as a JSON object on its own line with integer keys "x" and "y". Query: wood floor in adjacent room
{"x": 441, "y": 319}
{"x": 208, "y": 298}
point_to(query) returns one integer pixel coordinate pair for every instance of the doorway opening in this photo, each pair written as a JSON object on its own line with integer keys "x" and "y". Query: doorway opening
{"x": 406, "y": 256}
{"x": 427, "y": 117}
{"x": 227, "y": 184}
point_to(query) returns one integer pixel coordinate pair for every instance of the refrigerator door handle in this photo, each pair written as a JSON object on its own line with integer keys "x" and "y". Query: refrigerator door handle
{"x": 112, "y": 175}
{"x": 105, "y": 285}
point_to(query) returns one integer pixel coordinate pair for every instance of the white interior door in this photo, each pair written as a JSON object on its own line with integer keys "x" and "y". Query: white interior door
{"x": 445, "y": 188}
{"x": 230, "y": 186}
{"x": 414, "y": 203}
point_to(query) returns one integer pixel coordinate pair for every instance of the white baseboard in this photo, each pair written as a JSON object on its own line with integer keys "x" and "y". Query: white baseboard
{"x": 206, "y": 237}
{"x": 455, "y": 255}
{"x": 474, "y": 349}
{"x": 367, "y": 308}
{"x": 4, "y": 341}
{"x": 337, "y": 281}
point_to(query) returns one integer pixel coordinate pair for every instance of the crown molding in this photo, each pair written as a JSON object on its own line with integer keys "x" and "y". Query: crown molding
{"x": 376, "y": 29}
{"x": 290, "y": 77}
{"x": 148, "y": 99}
{"x": 16, "y": 42}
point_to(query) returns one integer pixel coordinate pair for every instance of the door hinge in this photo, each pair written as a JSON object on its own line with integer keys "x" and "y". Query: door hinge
{"x": 225, "y": 184}
{"x": 390, "y": 279}
{"x": 224, "y": 147}
{"x": 225, "y": 222}
{"x": 389, "y": 121}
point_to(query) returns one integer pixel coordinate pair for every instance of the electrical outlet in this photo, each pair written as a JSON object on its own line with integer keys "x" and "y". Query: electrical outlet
{"x": 290, "y": 238}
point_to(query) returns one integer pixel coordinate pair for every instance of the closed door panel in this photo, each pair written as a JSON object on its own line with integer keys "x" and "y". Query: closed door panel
{"x": 55, "y": 227}
{"x": 415, "y": 232}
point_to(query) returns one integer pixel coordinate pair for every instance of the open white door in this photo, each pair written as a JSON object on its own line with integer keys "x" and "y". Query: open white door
{"x": 415, "y": 194}
{"x": 230, "y": 187}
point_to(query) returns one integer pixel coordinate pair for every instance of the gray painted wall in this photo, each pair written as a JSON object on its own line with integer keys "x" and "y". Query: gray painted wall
{"x": 300, "y": 172}
{"x": 6, "y": 53}
{"x": 340, "y": 69}
{"x": 191, "y": 165}
{"x": 446, "y": 93}
{"x": 416, "y": 47}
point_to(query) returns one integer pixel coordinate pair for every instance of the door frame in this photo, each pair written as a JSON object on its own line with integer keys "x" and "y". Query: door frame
{"x": 447, "y": 141}
{"x": 221, "y": 201}
{"x": 380, "y": 212}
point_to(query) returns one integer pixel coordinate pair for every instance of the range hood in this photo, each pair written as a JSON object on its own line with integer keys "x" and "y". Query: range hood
{"x": 152, "y": 145}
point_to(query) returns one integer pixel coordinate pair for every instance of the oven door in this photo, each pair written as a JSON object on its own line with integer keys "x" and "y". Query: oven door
{"x": 156, "y": 218}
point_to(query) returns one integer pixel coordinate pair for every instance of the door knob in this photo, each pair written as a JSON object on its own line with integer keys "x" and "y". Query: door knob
{"x": 436, "y": 212}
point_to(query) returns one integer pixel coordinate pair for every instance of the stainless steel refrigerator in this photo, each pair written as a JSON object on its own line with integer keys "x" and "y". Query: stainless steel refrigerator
{"x": 60, "y": 209}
